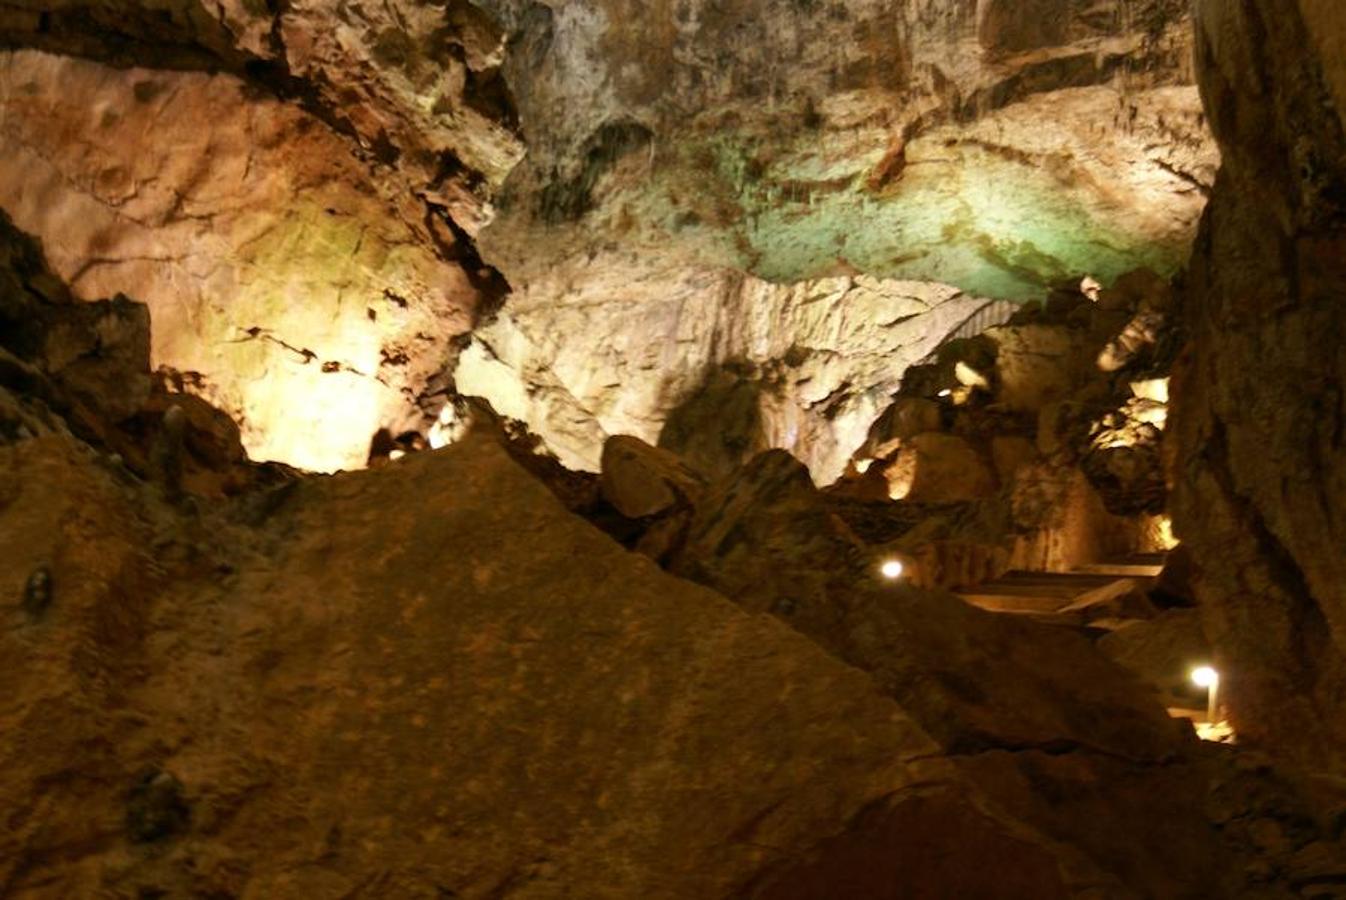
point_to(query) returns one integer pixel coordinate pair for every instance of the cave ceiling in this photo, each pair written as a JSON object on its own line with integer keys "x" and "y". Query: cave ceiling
{"x": 339, "y": 212}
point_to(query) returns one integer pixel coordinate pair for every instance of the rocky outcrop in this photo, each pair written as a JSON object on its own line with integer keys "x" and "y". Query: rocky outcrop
{"x": 382, "y": 733}
{"x": 291, "y": 285}
{"x": 1017, "y": 706}
{"x": 82, "y": 368}
{"x": 1016, "y": 448}
{"x": 712, "y": 364}
{"x": 1262, "y": 471}
{"x": 429, "y": 678}
{"x": 299, "y": 191}
{"x": 409, "y": 84}
{"x": 933, "y": 140}
{"x": 640, "y": 480}
{"x": 673, "y": 150}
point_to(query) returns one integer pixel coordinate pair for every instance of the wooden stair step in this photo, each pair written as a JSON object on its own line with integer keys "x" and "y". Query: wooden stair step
{"x": 1134, "y": 569}
{"x": 1047, "y": 593}
{"x": 1061, "y": 596}
{"x": 1012, "y": 601}
{"x": 1140, "y": 564}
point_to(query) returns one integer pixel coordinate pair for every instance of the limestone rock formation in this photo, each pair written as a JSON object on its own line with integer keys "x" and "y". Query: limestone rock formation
{"x": 322, "y": 232}
{"x": 1014, "y": 703}
{"x": 1015, "y": 449}
{"x": 933, "y": 467}
{"x": 675, "y": 359}
{"x": 401, "y": 704}
{"x": 432, "y": 678}
{"x": 819, "y": 136}
{"x": 755, "y": 328}
{"x": 1262, "y": 472}
{"x": 294, "y": 286}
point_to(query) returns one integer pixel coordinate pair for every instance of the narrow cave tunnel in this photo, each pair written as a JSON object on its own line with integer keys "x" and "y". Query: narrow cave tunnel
{"x": 780, "y": 449}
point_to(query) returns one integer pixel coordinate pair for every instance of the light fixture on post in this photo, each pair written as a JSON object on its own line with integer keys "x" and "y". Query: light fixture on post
{"x": 1208, "y": 678}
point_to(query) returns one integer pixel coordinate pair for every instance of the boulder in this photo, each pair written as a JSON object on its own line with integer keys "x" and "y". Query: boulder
{"x": 640, "y": 480}
{"x": 938, "y": 468}
{"x": 430, "y": 674}
{"x": 1038, "y": 363}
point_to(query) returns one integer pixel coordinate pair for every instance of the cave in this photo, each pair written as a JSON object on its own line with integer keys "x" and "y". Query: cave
{"x": 777, "y": 449}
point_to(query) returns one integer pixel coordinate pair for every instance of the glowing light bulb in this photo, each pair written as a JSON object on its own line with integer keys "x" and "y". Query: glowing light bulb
{"x": 396, "y": 454}
{"x": 947, "y": 392}
{"x": 1205, "y": 676}
{"x": 891, "y": 569}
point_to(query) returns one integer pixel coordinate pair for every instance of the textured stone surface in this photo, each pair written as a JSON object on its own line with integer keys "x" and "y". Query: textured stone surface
{"x": 409, "y": 83}
{"x": 429, "y": 679}
{"x": 1018, "y": 706}
{"x": 796, "y": 141}
{"x": 1163, "y": 651}
{"x": 297, "y": 284}
{"x": 1012, "y": 448}
{"x": 353, "y": 156}
{"x": 1258, "y": 407}
{"x": 640, "y": 480}
{"x": 766, "y": 539}
{"x": 938, "y": 468}
{"x": 614, "y": 347}
{"x": 797, "y": 144}
{"x": 345, "y": 696}
{"x": 82, "y": 368}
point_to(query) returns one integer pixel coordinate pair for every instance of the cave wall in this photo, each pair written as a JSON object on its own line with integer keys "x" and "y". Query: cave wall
{"x": 1261, "y": 474}
{"x": 615, "y": 345}
{"x": 317, "y": 201}
{"x": 292, "y": 192}
{"x": 798, "y": 140}
{"x": 293, "y": 285}
{"x": 699, "y": 164}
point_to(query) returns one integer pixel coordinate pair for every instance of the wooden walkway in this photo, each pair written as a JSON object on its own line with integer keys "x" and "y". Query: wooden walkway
{"x": 1090, "y": 593}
